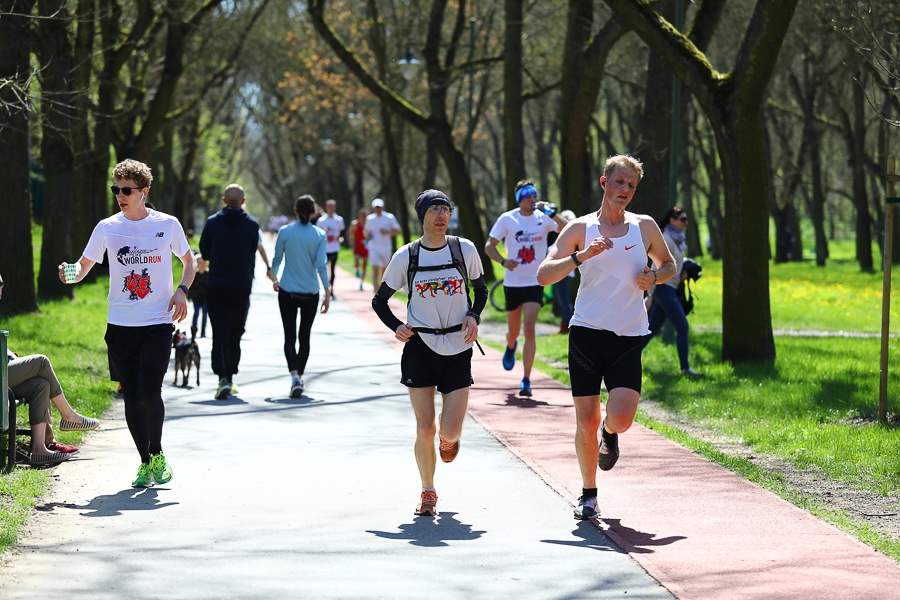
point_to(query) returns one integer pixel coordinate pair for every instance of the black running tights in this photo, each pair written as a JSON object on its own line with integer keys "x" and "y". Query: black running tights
{"x": 306, "y": 304}
{"x": 138, "y": 359}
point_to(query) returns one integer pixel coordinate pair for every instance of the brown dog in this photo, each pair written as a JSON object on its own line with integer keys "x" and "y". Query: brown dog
{"x": 186, "y": 354}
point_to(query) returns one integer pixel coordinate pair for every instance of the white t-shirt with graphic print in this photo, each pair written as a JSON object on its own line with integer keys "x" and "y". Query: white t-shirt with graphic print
{"x": 140, "y": 265}
{"x": 438, "y": 300}
{"x": 525, "y": 239}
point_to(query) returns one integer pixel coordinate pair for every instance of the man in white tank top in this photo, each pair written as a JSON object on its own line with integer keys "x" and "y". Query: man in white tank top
{"x": 607, "y": 331}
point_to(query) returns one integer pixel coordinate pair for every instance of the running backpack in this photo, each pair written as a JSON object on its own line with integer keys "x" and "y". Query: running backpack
{"x": 458, "y": 262}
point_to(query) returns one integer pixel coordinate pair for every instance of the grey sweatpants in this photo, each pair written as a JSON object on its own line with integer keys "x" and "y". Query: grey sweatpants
{"x": 32, "y": 377}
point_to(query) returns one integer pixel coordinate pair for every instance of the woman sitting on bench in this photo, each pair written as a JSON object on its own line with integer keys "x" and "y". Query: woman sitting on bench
{"x": 32, "y": 378}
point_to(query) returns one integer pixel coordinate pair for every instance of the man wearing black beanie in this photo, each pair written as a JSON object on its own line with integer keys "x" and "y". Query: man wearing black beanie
{"x": 441, "y": 327}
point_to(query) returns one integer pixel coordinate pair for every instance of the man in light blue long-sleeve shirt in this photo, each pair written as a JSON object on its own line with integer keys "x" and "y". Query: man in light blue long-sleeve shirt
{"x": 302, "y": 246}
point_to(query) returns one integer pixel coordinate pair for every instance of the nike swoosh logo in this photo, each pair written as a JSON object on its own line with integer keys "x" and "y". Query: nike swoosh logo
{"x": 630, "y": 247}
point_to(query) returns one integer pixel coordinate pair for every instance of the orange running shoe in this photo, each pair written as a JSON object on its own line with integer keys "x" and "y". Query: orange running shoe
{"x": 428, "y": 504}
{"x": 448, "y": 450}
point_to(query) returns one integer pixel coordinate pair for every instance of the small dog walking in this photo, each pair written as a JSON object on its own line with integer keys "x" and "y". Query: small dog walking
{"x": 186, "y": 354}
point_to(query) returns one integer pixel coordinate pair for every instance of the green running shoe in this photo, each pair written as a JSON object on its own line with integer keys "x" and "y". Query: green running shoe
{"x": 162, "y": 472}
{"x": 144, "y": 477}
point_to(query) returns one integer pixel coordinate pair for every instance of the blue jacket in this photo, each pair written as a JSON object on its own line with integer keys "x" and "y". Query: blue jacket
{"x": 229, "y": 242}
{"x": 302, "y": 248}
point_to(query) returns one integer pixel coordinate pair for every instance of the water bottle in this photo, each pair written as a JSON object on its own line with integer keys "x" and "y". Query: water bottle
{"x": 548, "y": 208}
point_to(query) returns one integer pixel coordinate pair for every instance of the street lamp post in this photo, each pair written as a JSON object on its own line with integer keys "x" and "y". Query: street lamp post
{"x": 409, "y": 65}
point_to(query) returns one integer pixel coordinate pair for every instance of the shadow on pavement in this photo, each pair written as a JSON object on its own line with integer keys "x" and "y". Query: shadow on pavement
{"x": 116, "y": 504}
{"x": 638, "y": 542}
{"x": 229, "y": 401}
{"x": 432, "y": 531}
{"x": 293, "y": 401}
{"x": 283, "y": 405}
{"x": 591, "y": 537}
{"x": 516, "y": 401}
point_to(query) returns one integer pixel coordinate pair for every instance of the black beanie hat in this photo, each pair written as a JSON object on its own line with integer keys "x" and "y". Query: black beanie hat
{"x": 430, "y": 198}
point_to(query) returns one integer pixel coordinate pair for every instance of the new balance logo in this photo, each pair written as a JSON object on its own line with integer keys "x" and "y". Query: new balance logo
{"x": 160, "y": 234}
{"x": 630, "y": 247}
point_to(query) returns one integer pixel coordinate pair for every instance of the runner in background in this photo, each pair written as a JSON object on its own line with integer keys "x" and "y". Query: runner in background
{"x": 360, "y": 248}
{"x": 333, "y": 224}
{"x": 524, "y": 232}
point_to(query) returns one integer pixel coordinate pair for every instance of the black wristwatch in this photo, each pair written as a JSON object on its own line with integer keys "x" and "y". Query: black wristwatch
{"x": 575, "y": 260}
{"x": 183, "y": 288}
{"x": 475, "y": 316}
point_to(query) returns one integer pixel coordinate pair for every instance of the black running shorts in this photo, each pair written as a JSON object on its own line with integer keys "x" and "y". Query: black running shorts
{"x": 421, "y": 366}
{"x": 596, "y": 355}
{"x": 517, "y": 296}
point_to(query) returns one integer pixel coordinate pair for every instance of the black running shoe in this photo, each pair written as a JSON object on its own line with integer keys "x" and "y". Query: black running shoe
{"x": 609, "y": 448}
{"x": 587, "y": 508}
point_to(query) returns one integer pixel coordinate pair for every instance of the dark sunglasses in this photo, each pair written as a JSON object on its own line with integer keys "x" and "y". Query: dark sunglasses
{"x": 126, "y": 191}
{"x": 683, "y": 218}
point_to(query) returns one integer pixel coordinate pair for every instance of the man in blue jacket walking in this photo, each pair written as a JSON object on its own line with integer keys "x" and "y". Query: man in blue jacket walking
{"x": 229, "y": 242}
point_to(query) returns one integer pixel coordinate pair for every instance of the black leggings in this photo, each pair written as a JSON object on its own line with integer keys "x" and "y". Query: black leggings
{"x": 139, "y": 359}
{"x": 307, "y": 304}
{"x": 332, "y": 260}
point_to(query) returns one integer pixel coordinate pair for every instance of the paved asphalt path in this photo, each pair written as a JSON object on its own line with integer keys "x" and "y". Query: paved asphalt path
{"x": 307, "y": 498}
{"x": 313, "y": 498}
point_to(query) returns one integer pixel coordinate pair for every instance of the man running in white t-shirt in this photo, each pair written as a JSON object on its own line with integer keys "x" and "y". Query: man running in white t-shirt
{"x": 524, "y": 233}
{"x": 381, "y": 226}
{"x": 438, "y": 334}
{"x": 333, "y": 224}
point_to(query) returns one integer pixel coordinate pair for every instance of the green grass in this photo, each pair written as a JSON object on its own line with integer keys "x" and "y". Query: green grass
{"x": 838, "y": 297}
{"x": 71, "y": 335}
{"x": 814, "y": 407}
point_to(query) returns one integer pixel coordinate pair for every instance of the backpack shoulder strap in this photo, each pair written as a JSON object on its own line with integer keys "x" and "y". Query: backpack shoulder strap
{"x": 459, "y": 262}
{"x": 413, "y": 267}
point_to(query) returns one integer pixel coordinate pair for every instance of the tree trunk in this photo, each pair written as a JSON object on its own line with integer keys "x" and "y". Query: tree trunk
{"x": 746, "y": 312}
{"x": 395, "y": 179}
{"x": 584, "y": 60}
{"x": 84, "y": 213}
{"x": 818, "y": 196}
{"x": 858, "y": 173}
{"x": 56, "y": 54}
{"x": 16, "y": 250}
{"x": 733, "y": 105}
{"x": 656, "y": 132}
{"x": 513, "y": 134}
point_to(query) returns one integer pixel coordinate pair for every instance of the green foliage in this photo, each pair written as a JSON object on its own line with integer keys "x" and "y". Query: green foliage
{"x": 838, "y": 297}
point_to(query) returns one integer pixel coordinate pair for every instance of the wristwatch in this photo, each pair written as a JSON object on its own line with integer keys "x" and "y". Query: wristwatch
{"x": 575, "y": 260}
{"x": 475, "y": 316}
{"x": 183, "y": 288}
